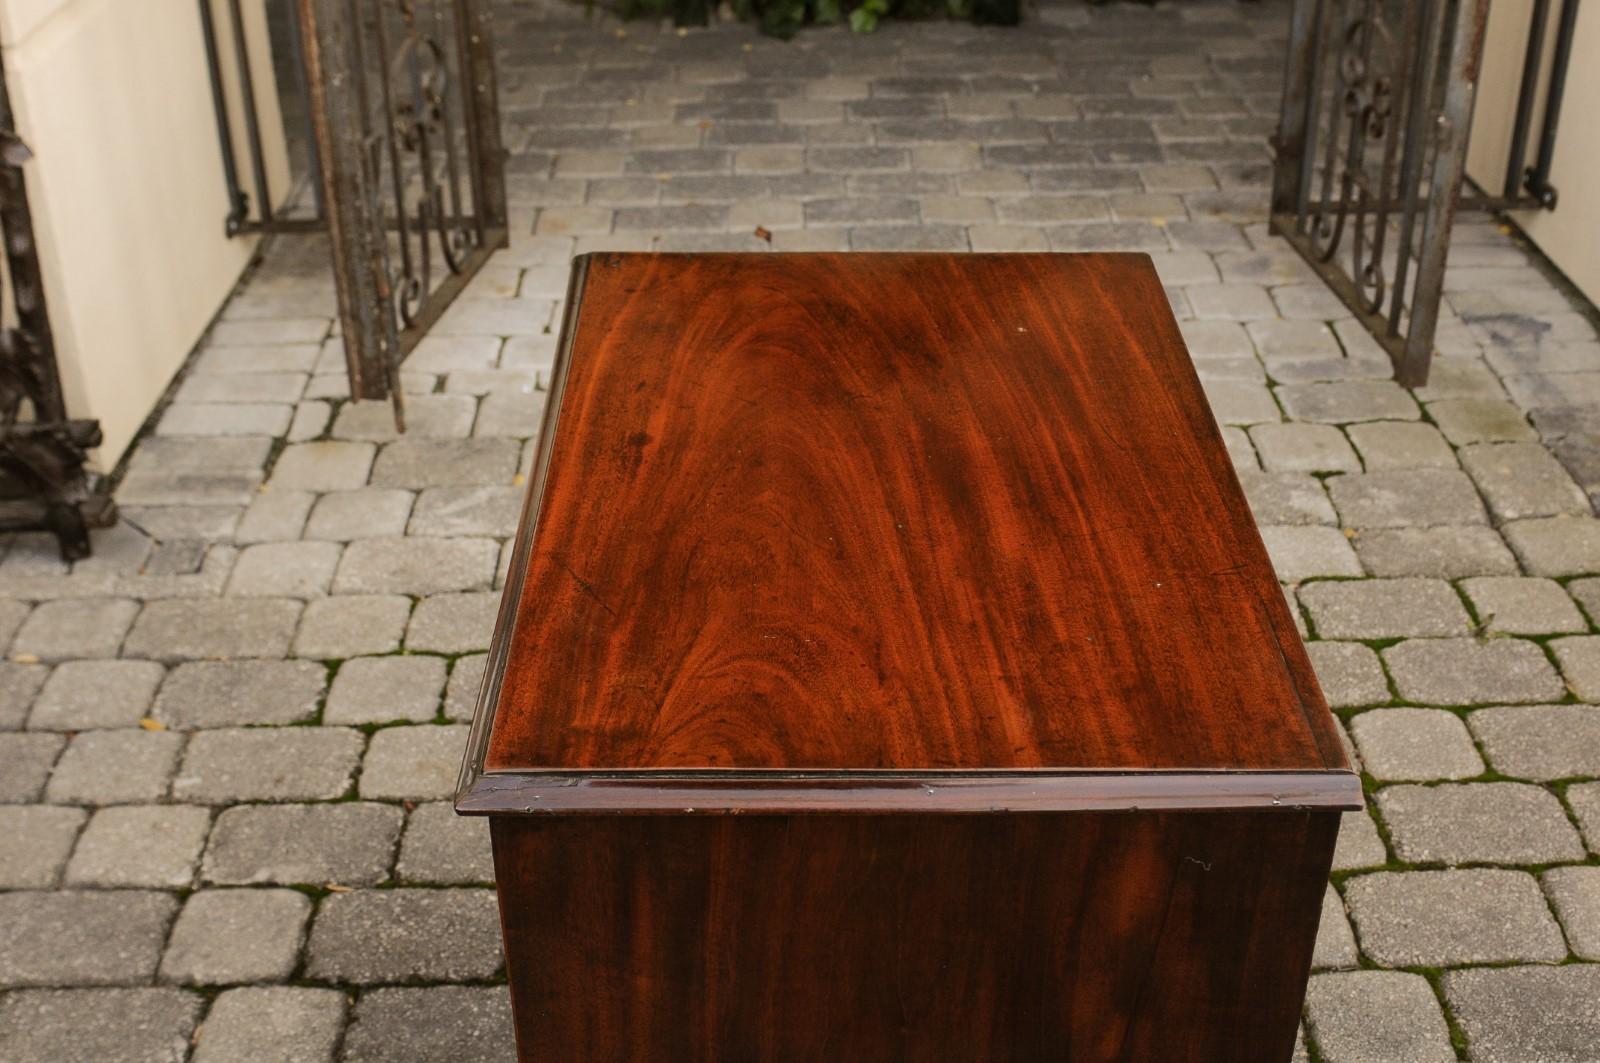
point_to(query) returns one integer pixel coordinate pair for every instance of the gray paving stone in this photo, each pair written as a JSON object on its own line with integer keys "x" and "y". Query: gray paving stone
{"x": 274, "y": 516}
{"x": 453, "y": 623}
{"x": 1479, "y": 420}
{"x": 1304, "y": 448}
{"x": 1556, "y": 546}
{"x": 87, "y": 695}
{"x": 1336, "y": 945}
{"x": 81, "y": 938}
{"x": 1444, "y": 918}
{"x": 514, "y": 413}
{"x": 461, "y": 695}
{"x": 197, "y": 629}
{"x": 226, "y": 937}
{"x": 1349, "y": 673}
{"x": 456, "y": 1023}
{"x": 322, "y": 466}
{"x": 427, "y": 416}
{"x": 1472, "y": 672}
{"x": 225, "y": 419}
{"x": 1388, "y": 445}
{"x": 1415, "y": 744}
{"x": 1346, "y": 401}
{"x": 386, "y": 936}
{"x": 114, "y": 767}
{"x": 1442, "y": 553}
{"x": 279, "y": 1023}
{"x": 385, "y": 689}
{"x": 1384, "y": 608}
{"x": 1586, "y": 592}
{"x": 1377, "y": 1017}
{"x": 1286, "y": 498}
{"x": 454, "y": 511}
{"x": 153, "y": 846}
{"x": 11, "y": 617}
{"x": 365, "y": 513}
{"x": 25, "y": 762}
{"x": 1359, "y": 844}
{"x": 1579, "y": 657}
{"x": 1522, "y": 480}
{"x": 1574, "y": 893}
{"x": 1478, "y": 823}
{"x": 349, "y": 843}
{"x": 1411, "y": 498}
{"x": 1523, "y": 1014}
{"x": 126, "y": 1025}
{"x": 1523, "y": 606}
{"x": 416, "y": 566}
{"x": 284, "y": 570}
{"x": 89, "y": 627}
{"x": 1300, "y": 553}
{"x": 19, "y": 683}
{"x": 442, "y": 848}
{"x": 415, "y": 464}
{"x": 1540, "y": 742}
{"x": 415, "y": 763}
{"x": 352, "y": 625}
{"x": 204, "y": 694}
{"x": 34, "y": 843}
{"x": 277, "y": 764}
{"x": 1241, "y": 402}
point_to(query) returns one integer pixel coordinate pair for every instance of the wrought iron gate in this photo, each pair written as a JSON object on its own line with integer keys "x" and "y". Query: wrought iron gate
{"x": 1377, "y": 108}
{"x": 407, "y": 168}
{"x": 43, "y": 483}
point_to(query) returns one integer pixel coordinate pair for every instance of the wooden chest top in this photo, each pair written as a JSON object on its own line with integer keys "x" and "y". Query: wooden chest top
{"x": 890, "y": 513}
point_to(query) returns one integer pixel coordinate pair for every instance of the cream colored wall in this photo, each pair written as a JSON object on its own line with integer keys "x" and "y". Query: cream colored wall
{"x": 1570, "y": 234}
{"x": 126, "y": 188}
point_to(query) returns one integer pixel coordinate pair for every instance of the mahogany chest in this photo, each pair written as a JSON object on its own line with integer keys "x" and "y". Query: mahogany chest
{"x": 890, "y": 670}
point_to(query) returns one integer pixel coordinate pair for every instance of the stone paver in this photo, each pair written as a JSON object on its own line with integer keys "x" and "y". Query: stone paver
{"x": 1377, "y": 1017}
{"x": 1540, "y": 742}
{"x": 154, "y": 846}
{"x": 34, "y": 843}
{"x": 350, "y": 844}
{"x": 1522, "y": 1014}
{"x": 1415, "y": 744}
{"x": 1439, "y": 918}
{"x": 1491, "y": 823}
{"x": 387, "y": 936}
{"x": 94, "y": 1025}
{"x": 230, "y": 936}
{"x": 82, "y": 938}
{"x": 87, "y": 695}
{"x": 1574, "y": 893}
{"x": 280, "y": 536}
{"x": 272, "y": 1022}
{"x": 1471, "y": 672}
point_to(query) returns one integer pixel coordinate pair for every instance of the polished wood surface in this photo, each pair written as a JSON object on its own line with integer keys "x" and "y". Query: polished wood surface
{"x": 1081, "y": 937}
{"x": 889, "y": 512}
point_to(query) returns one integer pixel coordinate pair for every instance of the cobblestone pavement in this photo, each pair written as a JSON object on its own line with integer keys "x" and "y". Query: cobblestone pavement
{"x": 227, "y": 741}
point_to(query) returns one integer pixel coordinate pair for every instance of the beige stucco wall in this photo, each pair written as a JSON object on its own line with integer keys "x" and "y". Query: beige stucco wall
{"x": 1570, "y": 234}
{"x": 126, "y": 188}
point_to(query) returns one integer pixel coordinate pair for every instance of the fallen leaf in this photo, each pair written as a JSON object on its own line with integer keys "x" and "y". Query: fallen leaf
{"x": 150, "y": 724}
{"x": 334, "y": 887}
{"x": 763, "y": 233}
{"x": 26, "y": 658}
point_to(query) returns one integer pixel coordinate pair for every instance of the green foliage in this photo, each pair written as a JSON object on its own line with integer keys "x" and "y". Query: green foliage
{"x": 783, "y": 18}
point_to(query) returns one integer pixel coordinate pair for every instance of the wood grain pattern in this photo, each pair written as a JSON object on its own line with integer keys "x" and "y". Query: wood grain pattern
{"x": 1084, "y": 937}
{"x": 867, "y": 512}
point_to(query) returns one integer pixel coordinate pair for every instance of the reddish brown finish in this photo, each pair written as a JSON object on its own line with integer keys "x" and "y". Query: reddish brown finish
{"x": 1078, "y": 937}
{"x": 917, "y": 512}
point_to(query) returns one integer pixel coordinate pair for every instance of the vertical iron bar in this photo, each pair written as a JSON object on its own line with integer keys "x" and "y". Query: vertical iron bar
{"x": 480, "y": 105}
{"x": 1290, "y": 143}
{"x": 1539, "y": 182}
{"x": 238, "y": 202}
{"x": 1417, "y": 120}
{"x": 1308, "y": 157}
{"x": 1525, "y": 97}
{"x": 252, "y": 119}
{"x": 356, "y": 227}
{"x": 1453, "y": 127}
